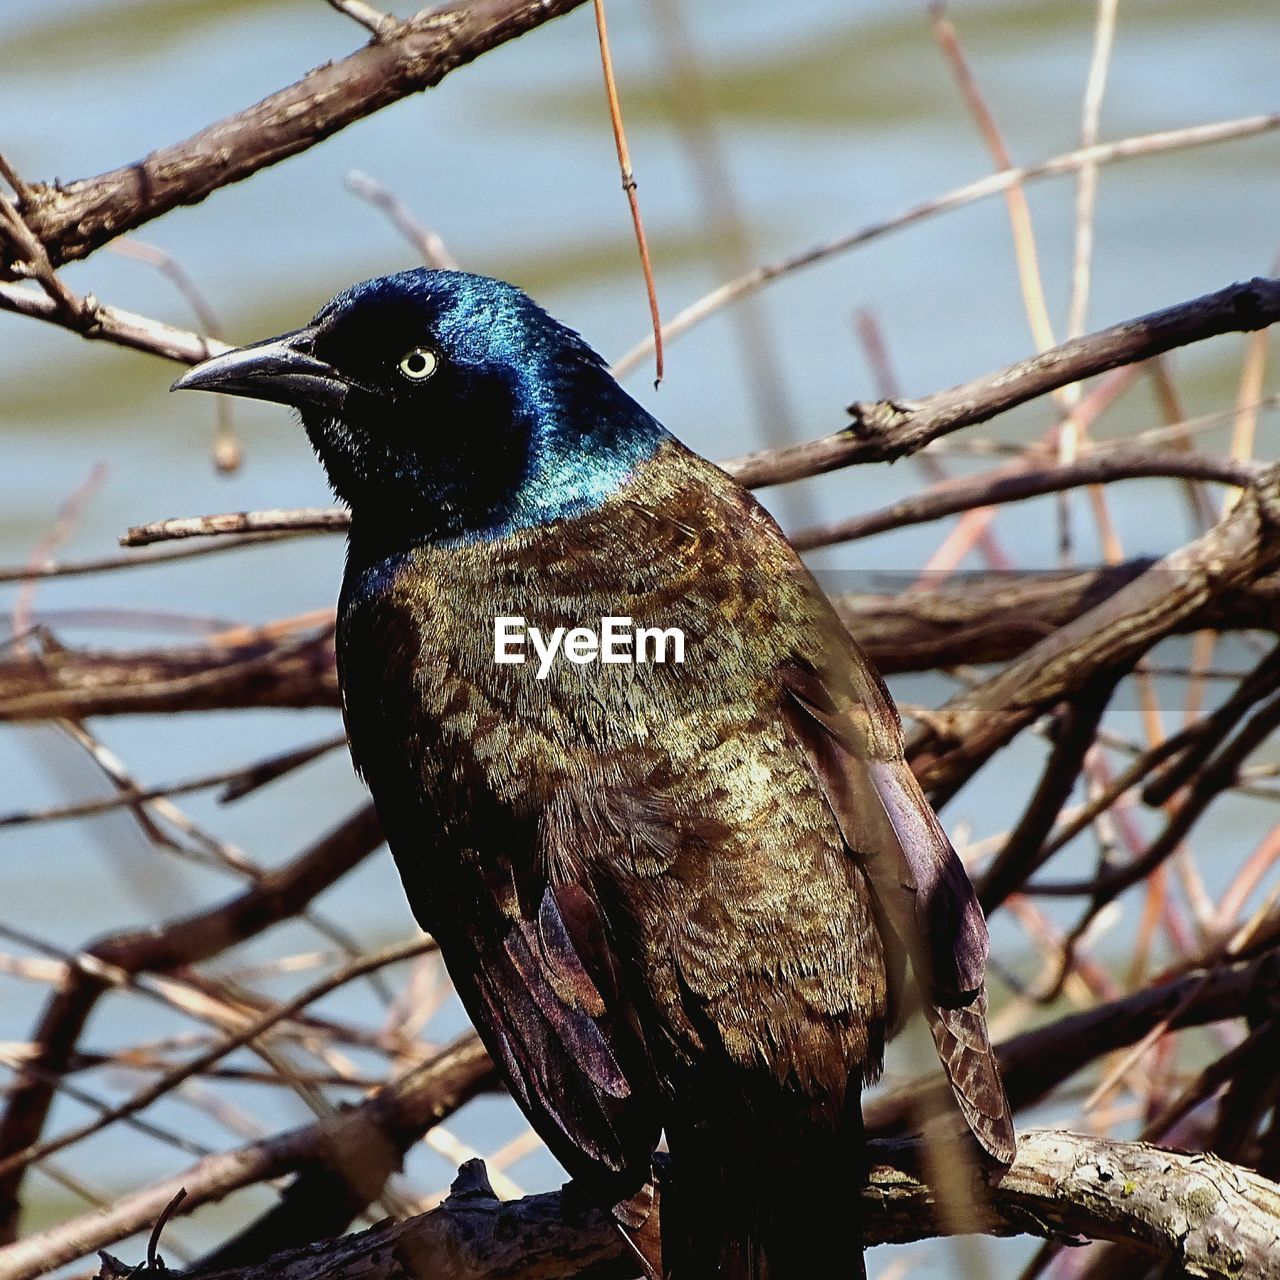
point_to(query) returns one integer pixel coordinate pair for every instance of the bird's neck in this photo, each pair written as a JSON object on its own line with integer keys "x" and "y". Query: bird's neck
{"x": 546, "y": 464}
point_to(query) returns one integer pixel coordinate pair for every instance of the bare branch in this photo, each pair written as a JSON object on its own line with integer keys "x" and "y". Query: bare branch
{"x": 964, "y": 733}
{"x": 278, "y": 895}
{"x": 977, "y": 620}
{"x": 629, "y": 184}
{"x": 75, "y": 218}
{"x": 301, "y": 520}
{"x": 93, "y": 319}
{"x": 885, "y": 430}
{"x": 1208, "y": 1218}
{"x": 365, "y": 964}
{"x": 362, "y": 1146}
{"x": 1013, "y": 484}
{"x": 46, "y": 568}
{"x": 432, "y": 249}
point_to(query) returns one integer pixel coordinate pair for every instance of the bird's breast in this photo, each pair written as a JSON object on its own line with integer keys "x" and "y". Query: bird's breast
{"x": 644, "y": 627}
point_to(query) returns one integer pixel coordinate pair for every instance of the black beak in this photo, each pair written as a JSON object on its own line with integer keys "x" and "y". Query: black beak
{"x": 280, "y": 369}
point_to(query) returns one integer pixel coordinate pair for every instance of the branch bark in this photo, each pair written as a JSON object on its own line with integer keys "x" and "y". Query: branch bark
{"x": 72, "y": 221}
{"x": 884, "y": 430}
{"x": 1013, "y": 484}
{"x": 1212, "y": 1219}
{"x": 259, "y": 673}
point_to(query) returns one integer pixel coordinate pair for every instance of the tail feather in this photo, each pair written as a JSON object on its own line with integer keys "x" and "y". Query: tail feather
{"x": 967, "y": 1057}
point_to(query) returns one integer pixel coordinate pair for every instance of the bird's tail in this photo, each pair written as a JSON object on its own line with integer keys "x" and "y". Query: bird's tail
{"x": 757, "y": 1215}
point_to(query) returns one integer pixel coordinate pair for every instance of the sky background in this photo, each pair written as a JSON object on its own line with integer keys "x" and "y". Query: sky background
{"x": 825, "y": 115}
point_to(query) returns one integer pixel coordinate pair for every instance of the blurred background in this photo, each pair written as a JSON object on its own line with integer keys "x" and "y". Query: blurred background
{"x": 756, "y": 130}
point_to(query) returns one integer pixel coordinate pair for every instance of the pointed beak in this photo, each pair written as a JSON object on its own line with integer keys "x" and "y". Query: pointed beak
{"x": 281, "y": 369}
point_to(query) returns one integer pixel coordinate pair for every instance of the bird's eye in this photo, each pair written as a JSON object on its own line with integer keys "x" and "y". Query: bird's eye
{"x": 418, "y": 365}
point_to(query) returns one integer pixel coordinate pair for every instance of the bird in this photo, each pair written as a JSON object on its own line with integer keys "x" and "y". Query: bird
{"x": 678, "y": 898}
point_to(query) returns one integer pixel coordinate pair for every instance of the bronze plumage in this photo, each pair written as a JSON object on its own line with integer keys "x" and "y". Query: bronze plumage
{"x": 673, "y": 897}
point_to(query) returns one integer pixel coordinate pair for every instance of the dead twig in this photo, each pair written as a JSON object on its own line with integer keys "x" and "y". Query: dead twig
{"x": 1020, "y": 481}
{"x": 1142, "y": 145}
{"x": 629, "y": 184}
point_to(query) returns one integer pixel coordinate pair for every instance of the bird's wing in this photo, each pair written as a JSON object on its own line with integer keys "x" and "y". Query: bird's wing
{"x": 534, "y": 969}
{"x": 507, "y": 899}
{"x": 845, "y": 721}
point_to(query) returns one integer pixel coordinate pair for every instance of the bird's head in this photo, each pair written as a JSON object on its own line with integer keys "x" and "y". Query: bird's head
{"x": 446, "y": 406}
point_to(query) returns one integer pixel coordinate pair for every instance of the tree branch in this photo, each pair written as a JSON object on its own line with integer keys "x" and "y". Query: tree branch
{"x": 975, "y": 620}
{"x": 262, "y": 672}
{"x": 1210, "y": 1218}
{"x": 72, "y": 221}
{"x": 962, "y": 735}
{"x": 94, "y": 320}
{"x": 1013, "y": 484}
{"x": 884, "y": 430}
{"x": 1036, "y": 1062}
{"x": 277, "y": 896}
{"x": 887, "y": 429}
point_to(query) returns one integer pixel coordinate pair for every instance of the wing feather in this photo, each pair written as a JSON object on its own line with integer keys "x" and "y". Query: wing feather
{"x": 846, "y": 723}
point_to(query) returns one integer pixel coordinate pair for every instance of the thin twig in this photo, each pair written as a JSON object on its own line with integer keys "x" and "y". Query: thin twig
{"x": 373, "y": 20}
{"x": 629, "y": 184}
{"x": 227, "y": 453}
{"x": 64, "y": 525}
{"x": 432, "y": 249}
{"x": 95, "y": 320}
{"x": 1087, "y": 179}
{"x": 1141, "y": 145}
{"x": 348, "y": 973}
{"x": 154, "y": 1262}
{"x": 238, "y": 782}
{"x": 1018, "y": 482}
{"x": 302, "y": 520}
{"x": 45, "y": 568}
{"x": 1030, "y": 276}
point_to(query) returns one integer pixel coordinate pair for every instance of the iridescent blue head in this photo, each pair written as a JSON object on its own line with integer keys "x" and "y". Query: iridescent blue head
{"x": 447, "y": 406}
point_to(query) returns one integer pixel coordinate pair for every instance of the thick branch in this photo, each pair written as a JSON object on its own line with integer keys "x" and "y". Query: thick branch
{"x": 262, "y": 673}
{"x": 1210, "y": 1218}
{"x": 73, "y": 220}
{"x": 970, "y": 620}
{"x": 345, "y": 1159}
{"x": 884, "y": 430}
{"x": 1108, "y": 639}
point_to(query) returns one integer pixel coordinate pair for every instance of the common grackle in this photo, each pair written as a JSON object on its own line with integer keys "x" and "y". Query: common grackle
{"x": 673, "y": 896}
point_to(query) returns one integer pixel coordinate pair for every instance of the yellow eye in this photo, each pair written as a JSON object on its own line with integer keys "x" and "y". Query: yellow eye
{"x": 419, "y": 364}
